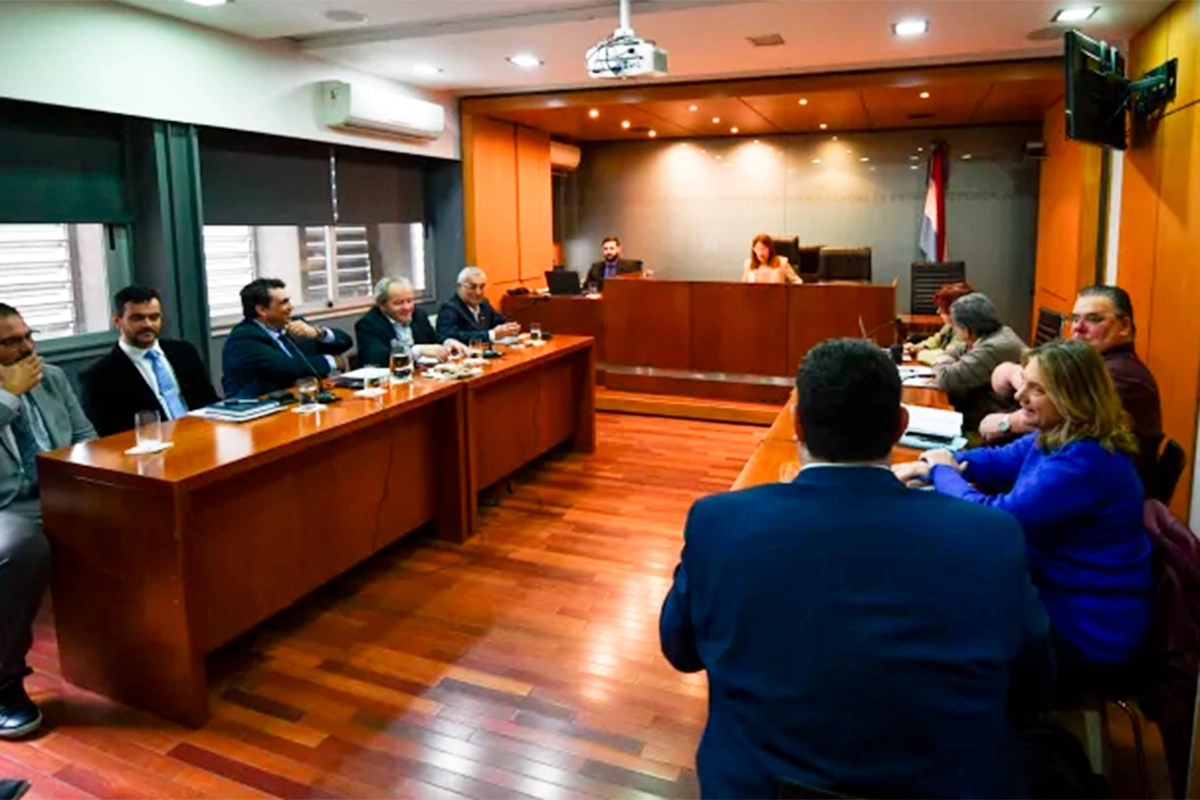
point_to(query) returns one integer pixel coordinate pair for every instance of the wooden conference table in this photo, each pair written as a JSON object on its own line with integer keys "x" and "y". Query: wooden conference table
{"x": 730, "y": 341}
{"x": 776, "y": 453}
{"x": 161, "y": 559}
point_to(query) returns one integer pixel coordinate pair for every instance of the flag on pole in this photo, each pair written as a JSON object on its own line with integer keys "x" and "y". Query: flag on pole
{"x": 933, "y": 218}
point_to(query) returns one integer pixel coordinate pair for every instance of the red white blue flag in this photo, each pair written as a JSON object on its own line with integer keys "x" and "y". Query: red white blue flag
{"x": 933, "y": 218}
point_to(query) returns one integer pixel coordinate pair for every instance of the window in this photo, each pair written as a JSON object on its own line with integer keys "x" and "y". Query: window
{"x": 57, "y": 276}
{"x": 324, "y": 266}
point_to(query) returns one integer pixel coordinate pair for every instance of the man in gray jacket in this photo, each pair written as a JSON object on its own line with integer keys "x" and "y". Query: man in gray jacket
{"x": 967, "y": 378}
{"x": 38, "y": 413}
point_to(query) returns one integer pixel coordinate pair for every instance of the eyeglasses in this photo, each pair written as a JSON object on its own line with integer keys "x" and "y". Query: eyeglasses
{"x": 17, "y": 341}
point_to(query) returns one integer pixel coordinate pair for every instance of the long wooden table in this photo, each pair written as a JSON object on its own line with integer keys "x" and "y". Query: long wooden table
{"x": 777, "y": 452}
{"x": 161, "y": 559}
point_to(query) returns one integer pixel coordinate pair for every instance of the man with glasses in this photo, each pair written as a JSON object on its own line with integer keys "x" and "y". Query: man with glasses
{"x": 468, "y": 316}
{"x": 1102, "y": 317}
{"x": 38, "y": 413}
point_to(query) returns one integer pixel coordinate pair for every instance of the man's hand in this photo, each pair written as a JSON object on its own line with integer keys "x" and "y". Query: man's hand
{"x": 1007, "y": 379}
{"x": 22, "y": 376}
{"x": 301, "y": 330}
{"x": 343, "y": 363}
{"x": 456, "y": 348}
{"x": 506, "y": 330}
{"x": 431, "y": 351}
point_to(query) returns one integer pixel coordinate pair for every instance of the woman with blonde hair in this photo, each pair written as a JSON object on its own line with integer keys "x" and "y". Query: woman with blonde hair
{"x": 765, "y": 265}
{"x": 1073, "y": 487}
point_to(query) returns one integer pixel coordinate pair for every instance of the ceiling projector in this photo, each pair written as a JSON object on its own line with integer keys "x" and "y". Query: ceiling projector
{"x": 625, "y": 54}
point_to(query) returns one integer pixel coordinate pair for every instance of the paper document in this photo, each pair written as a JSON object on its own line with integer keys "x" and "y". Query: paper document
{"x": 930, "y": 428}
{"x": 363, "y": 373}
{"x": 909, "y": 373}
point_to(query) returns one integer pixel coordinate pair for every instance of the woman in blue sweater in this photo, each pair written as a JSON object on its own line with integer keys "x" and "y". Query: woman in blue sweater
{"x": 1073, "y": 487}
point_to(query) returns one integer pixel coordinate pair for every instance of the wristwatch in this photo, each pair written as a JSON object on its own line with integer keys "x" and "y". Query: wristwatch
{"x": 1004, "y": 425}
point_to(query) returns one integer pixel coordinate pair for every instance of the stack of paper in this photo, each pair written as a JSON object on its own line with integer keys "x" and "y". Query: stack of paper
{"x": 930, "y": 428}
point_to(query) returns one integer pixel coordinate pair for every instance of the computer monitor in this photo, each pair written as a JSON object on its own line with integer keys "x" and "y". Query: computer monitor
{"x": 563, "y": 282}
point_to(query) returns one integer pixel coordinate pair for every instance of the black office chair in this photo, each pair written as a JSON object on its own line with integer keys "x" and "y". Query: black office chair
{"x": 845, "y": 264}
{"x": 788, "y": 247}
{"x": 1167, "y": 472}
{"x": 809, "y": 265}
{"x": 1049, "y": 326}
{"x": 926, "y": 277}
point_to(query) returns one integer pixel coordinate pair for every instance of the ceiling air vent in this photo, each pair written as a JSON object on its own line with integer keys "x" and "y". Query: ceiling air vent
{"x": 769, "y": 40}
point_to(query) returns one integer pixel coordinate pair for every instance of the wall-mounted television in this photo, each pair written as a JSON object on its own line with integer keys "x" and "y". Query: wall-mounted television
{"x": 1099, "y": 94}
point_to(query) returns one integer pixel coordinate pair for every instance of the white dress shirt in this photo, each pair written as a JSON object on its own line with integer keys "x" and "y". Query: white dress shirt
{"x": 138, "y": 356}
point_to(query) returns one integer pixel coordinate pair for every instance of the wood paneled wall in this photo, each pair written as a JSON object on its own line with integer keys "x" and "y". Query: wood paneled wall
{"x": 1160, "y": 230}
{"x": 1068, "y": 217}
{"x": 507, "y": 202}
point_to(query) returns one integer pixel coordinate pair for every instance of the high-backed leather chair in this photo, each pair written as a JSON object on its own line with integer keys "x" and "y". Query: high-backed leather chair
{"x": 845, "y": 264}
{"x": 926, "y": 278}
{"x": 1049, "y": 326}
{"x": 809, "y": 265}
{"x": 788, "y": 247}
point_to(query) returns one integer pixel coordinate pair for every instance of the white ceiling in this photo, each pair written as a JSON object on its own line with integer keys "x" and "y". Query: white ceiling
{"x": 471, "y": 39}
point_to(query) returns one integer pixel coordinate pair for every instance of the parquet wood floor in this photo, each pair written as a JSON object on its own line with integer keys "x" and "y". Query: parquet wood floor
{"x": 524, "y": 664}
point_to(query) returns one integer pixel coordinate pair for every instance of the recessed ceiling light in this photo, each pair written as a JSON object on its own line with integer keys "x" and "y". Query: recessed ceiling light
{"x": 864, "y": 159}
{"x": 914, "y": 158}
{"x": 924, "y": 95}
{"x": 920, "y": 149}
{"x": 527, "y": 60}
{"x": 625, "y": 124}
{"x": 822, "y": 126}
{"x": 816, "y": 161}
{"x": 756, "y": 141}
{"x": 966, "y": 156}
{"x": 426, "y": 69}
{"x": 835, "y": 138}
{"x": 693, "y": 108}
{"x": 653, "y": 133}
{"x": 733, "y": 129}
{"x": 803, "y": 101}
{"x": 207, "y": 2}
{"x": 914, "y": 166}
{"x": 727, "y": 165}
{"x": 1074, "y": 14}
{"x": 910, "y": 27}
{"x": 595, "y": 112}
{"x": 345, "y": 17}
{"x": 716, "y": 120}
{"x": 848, "y": 151}
{"x": 718, "y": 158}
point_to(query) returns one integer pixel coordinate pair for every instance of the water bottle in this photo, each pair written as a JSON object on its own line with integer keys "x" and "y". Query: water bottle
{"x": 401, "y": 365}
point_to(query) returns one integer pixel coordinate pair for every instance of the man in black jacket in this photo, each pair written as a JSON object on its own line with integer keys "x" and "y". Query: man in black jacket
{"x": 269, "y": 351}
{"x": 143, "y": 372}
{"x": 395, "y": 317}
{"x": 469, "y": 317}
{"x": 613, "y": 264}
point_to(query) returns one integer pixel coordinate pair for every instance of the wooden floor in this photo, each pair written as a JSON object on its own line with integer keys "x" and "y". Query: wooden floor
{"x": 523, "y": 664}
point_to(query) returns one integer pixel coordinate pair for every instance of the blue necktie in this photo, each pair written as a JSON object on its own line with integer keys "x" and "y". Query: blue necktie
{"x": 27, "y": 445}
{"x": 176, "y": 408}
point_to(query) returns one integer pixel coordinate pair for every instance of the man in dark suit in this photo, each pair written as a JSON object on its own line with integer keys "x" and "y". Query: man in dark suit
{"x": 859, "y": 636}
{"x": 38, "y": 413}
{"x": 269, "y": 351}
{"x": 468, "y": 316}
{"x": 612, "y": 264}
{"x": 143, "y": 372}
{"x": 395, "y": 317}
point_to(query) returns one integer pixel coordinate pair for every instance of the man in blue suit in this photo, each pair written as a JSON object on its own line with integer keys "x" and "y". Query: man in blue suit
{"x": 269, "y": 350}
{"x": 859, "y": 637}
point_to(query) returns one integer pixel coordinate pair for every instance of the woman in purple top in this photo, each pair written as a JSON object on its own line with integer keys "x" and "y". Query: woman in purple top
{"x": 1073, "y": 487}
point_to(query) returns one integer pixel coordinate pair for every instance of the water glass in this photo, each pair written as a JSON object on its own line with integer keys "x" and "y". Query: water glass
{"x": 308, "y": 388}
{"x": 401, "y": 363}
{"x": 147, "y": 427}
{"x": 535, "y": 331}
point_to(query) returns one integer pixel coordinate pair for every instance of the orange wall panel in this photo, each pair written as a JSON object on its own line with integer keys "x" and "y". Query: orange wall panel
{"x": 534, "y": 205}
{"x": 489, "y": 198}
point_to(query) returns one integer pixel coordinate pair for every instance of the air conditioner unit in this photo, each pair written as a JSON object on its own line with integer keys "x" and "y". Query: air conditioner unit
{"x": 564, "y": 157}
{"x": 361, "y": 108}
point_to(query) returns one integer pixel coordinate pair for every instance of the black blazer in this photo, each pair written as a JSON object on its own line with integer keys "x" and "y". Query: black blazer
{"x": 455, "y": 321}
{"x": 114, "y": 391}
{"x": 254, "y": 364}
{"x": 624, "y": 267}
{"x": 375, "y": 332}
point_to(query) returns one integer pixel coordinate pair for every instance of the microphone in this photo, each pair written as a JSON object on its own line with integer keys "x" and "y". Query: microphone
{"x": 897, "y": 323}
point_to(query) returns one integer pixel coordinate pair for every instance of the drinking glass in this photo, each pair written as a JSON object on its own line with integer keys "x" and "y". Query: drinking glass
{"x": 535, "y": 331}
{"x": 308, "y": 388}
{"x": 147, "y": 427}
{"x": 402, "y": 363}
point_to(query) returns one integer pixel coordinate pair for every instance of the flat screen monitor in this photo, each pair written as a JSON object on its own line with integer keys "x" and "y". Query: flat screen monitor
{"x": 1097, "y": 91}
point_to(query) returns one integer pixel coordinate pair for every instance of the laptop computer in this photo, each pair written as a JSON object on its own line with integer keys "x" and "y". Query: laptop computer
{"x": 563, "y": 282}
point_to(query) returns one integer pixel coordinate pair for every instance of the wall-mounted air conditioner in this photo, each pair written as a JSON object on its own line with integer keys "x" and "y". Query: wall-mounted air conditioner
{"x": 563, "y": 157}
{"x": 362, "y": 108}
